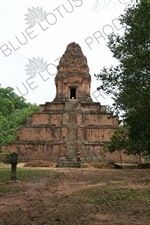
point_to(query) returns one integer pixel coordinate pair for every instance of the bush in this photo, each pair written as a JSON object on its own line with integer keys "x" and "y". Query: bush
{"x": 5, "y": 157}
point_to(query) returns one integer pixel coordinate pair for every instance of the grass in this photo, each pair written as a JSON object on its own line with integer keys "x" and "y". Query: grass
{"x": 26, "y": 174}
{"x": 23, "y": 175}
{"x": 115, "y": 197}
{"x": 12, "y": 190}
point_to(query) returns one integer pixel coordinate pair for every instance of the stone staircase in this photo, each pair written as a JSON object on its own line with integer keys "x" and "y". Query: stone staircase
{"x": 68, "y": 162}
{"x": 72, "y": 145}
{"x": 71, "y": 148}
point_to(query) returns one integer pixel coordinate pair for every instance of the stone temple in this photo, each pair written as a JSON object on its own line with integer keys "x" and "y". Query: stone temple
{"x": 72, "y": 122}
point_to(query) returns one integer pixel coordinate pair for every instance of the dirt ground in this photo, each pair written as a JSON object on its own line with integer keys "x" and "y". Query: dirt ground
{"x": 79, "y": 197}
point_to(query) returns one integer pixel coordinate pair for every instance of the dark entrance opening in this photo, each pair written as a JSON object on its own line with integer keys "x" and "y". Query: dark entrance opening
{"x": 72, "y": 93}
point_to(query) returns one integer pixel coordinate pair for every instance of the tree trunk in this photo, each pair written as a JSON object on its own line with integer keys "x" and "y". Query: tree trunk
{"x": 140, "y": 159}
{"x": 120, "y": 155}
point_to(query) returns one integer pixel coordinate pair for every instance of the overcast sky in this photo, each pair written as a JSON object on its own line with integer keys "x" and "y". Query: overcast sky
{"x": 49, "y": 38}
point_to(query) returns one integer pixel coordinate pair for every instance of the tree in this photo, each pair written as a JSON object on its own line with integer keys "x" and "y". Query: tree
{"x": 119, "y": 141}
{"x": 129, "y": 81}
{"x": 17, "y": 102}
{"x": 14, "y": 111}
{"x": 6, "y": 106}
{"x": 4, "y": 127}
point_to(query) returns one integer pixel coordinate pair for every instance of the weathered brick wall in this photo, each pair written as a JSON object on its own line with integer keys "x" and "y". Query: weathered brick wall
{"x": 47, "y": 118}
{"x": 95, "y": 134}
{"x": 51, "y": 152}
{"x": 46, "y": 133}
{"x": 98, "y": 119}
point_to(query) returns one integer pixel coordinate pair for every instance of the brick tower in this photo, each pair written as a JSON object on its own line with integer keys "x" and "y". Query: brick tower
{"x": 73, "y": 79}
{"x": 72, "y": 123}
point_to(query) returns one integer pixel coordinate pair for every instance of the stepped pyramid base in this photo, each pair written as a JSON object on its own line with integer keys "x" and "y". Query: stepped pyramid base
{"x": 68, "y": 162}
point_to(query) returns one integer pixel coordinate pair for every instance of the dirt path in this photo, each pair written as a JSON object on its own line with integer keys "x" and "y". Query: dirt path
{"x": 66, "y": 200}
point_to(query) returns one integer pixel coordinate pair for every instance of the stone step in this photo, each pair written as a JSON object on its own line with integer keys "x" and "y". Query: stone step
{"x": 67, "y": 164}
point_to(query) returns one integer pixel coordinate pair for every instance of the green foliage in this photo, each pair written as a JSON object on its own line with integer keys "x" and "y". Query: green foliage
{"x": 14, "y": 112}
{"x": 18, "y": 102}
{"x": 5, "y": 157}
{"x": 129, "y": 81}
{"x": 19, "y": 116}
{"x": 119, "y": 140}
{"x": 147, "y": 158}
{"x": 4, "y": 127}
